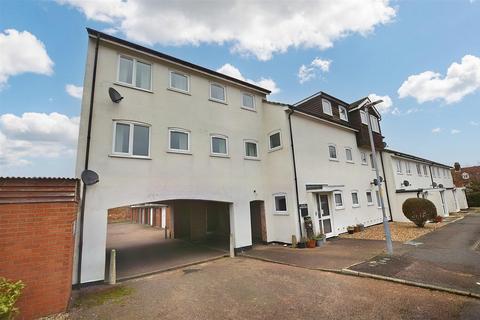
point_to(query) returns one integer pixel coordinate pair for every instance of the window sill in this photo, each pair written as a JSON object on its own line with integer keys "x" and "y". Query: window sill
{"x": 251, "y": 158}
{"x": 213, "y": 155}
{"x": 352, "y": 162}
{"x": 126, "y": 85}
{"x": 369, "y": 204}
{"x": 364, "y": 164}
{"x": 179, "y": 152}
{"x": 218, "y": 101}
{"x": 339, "y": 208}
{"x": 112, "y": 155}
{"x": 179, "y": 91}
{"x": 279, "y": 213}
{"x": 334, "y": 159}
{"x": 356, "y": 206}
{"x": 275, "y": 149}
{"x": 248, "y": 109}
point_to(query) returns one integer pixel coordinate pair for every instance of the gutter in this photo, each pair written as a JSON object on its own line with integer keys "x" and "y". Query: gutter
{"x": 291, "y": 111}
{"x": 386, "y": 186}
{"x": 87, "y": 154}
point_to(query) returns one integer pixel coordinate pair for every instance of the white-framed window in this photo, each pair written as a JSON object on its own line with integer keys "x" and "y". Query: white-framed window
{"x": 363, "y": 117}
{"x": 425, "y": 171}
{"x": 438, "y": 172}
{"x": 349, "y": 155}
{"x": 251, "y": 149}
{"x": 465, "y": 176}
{"x": 338, "y": 200}
{"x": 134, "y": 73}
{"x": 445, "y": 173}
{"x": 218, "y": 145}
{"x": 179, "y": 81}
{"x": 332, "y": 152}
{"x": 399, "y": 166}
{"x": 369, "y": 198}
{"x": 218, "y": 92}
{"x": 379, "y": 203}
{"x": 372, "y": 163}
{"x": 327, "y": 107}
{"x": 343, "y": 113}
{"x": 355, "y": 200}
{"x": 280, "y": 202}
{"x": 433, "y": 172}
{"x": 374, "y": 123}
{"x": 248, "y": 101}
{"x": 274, "y": 140}
{"x": 408, "y": 170}
{"x": 131, "y": 139}
{"x": 419, "y": 169}
{"x": 178, "y": 140}
{"x": 363, "y": 156}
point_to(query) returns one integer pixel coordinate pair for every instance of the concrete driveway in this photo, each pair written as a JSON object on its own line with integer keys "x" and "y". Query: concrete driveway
{"x": 242, "y": 288}
{"x": 143, "y": 250}
{"x": 448, "y": 257}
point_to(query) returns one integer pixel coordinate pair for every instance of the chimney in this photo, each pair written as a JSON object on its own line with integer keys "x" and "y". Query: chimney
{"x": 457, "y": 166}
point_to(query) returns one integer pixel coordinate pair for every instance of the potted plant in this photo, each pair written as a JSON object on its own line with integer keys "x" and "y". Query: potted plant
{"x": 351, "y": 229}
{"x": 320, "y": 239}
{"x": 438, "y": 219}
{"x": 311, "y": 243}
{"x": 361, "y": 227}
{"x": 356, "y": 228}
{"x": 302, "y": 244}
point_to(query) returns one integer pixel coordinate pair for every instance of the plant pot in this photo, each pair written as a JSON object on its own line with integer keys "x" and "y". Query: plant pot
{"x": 351, "y": 230}
{"x": 438, "y": 219}
{"x": 361, "y": 227}
{"x": 319, "y": 242}
{"x": 301, "y": 245}
{"x": 311, "y": 243}
{"x": 356, "y": 228}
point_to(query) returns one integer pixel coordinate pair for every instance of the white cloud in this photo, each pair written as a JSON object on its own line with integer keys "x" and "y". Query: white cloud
{"x": 436, "y": 130}
{"x": 74, "y": 91}
{"x": 385, "y": 106}
{"x": 36, "y": 135}
{"x": 461, "y": 79}
{"x": 233, "y": 71}
{"x": 22, "y": 52}
{"x": 249, "y": 27}
{"x": 455, "y": 131}
{"x": 306, "y": 73}
{"x": 474, "y": 123}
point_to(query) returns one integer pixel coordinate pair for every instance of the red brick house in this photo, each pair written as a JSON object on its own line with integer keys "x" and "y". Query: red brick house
{"x": 462, "y": 177}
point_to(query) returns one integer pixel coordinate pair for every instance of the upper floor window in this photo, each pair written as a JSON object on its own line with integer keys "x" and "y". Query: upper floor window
{"x": 135, "y": 73}
{"x": 399, "y": 165}
{"x": 338, "y": 200}
{"x": 465, "y": 176}
{"x": 332, "y": 152}
{"x": 363, "y": 117}
{"x": 425, "y": 171}
{"x": 419, "y": 169}
{"x": 369, "y": 198}
{"x": 251, "y": 149}
{"x": 219, "y": 145}
{"x": 327, "y": 107}
{"x": 280, "y": 203}
{"x": 355, "y": 201}
{"x": 248, "y": 101}
{"x": 348, "y": 154}
{"x": 363, "y": 155}
{"x": 375, "y": 125}
{"x": 274, "y": 141}
{"x": 343, "y": 113}
{"x": 179, "y": 81}
{"x": 372, "y": 163}
{"x": 438, "y": 172}
{"x": 179, "y": 140}
{"x": 433, "y": 172}
{"x": 407, "y": 168}
{"x": 131, "y": 139}
{"x": 445, "y": 173}
{"x": 218, "y": 92}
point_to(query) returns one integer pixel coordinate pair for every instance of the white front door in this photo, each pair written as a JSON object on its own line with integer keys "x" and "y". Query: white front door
{"x": 325, "y": 217}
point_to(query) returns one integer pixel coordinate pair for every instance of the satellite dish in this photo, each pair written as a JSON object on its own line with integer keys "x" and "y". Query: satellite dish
{"x": 114, "y": 95}
{"x": 440, "y": 185}
{"x": 434, "y": 184}
{"x": 406, "y": 183}
{"x": 89, "y": 177}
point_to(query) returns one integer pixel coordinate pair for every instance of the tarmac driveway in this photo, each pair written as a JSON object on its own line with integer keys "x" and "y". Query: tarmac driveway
{"x": 448, "y": 257}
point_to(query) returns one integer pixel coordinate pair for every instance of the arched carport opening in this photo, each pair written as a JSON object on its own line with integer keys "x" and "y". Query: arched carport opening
{"x": 156, "y": 236}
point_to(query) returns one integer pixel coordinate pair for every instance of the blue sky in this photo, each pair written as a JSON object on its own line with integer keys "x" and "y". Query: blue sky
{"x": 434, "y": 115}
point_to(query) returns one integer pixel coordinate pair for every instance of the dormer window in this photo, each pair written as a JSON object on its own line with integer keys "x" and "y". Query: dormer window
{"x": 374, "y": 123}
{"x": 343, "y": 113}
{"x": 327, "y": 107}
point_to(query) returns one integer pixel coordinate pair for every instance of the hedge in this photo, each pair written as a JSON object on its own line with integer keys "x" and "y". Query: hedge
{"x": 473, "y": 199}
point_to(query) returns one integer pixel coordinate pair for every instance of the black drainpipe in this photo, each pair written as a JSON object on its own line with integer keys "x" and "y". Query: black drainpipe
{"x": 386, "y": 187}
{"x": 294, "y": 169}
{"x": 431, "y": 176}
{"x": 87, "y": 154}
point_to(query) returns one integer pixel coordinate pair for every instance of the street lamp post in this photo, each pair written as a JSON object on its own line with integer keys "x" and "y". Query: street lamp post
{"x": 386, "y": 227}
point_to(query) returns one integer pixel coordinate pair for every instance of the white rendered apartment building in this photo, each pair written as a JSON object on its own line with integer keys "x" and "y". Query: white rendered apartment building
{"x": 162, "y": 131}
{"x": 409, "y": 176}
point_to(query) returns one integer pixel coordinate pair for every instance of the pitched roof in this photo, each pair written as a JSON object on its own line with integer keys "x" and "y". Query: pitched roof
{"x": 412, "y": 157}
{"x": 95, "y": 33}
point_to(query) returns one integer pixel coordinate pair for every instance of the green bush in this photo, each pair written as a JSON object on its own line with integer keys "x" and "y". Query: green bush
{"x": 473, "y": 199}
{"x": 419, "y": 210}
{"x": 9, "y": 293}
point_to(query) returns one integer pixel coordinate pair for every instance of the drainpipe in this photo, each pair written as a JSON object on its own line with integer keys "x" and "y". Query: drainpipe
{"x": 294, "y": 168}
{"x": 386, "y": 186}
{"x": 431, "y": 176}
{"x": 87, "y": 154}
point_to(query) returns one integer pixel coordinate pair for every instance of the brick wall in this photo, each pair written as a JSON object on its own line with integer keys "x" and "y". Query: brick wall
{"x": 36, "y": 242}
{"x": 119, "y": 214}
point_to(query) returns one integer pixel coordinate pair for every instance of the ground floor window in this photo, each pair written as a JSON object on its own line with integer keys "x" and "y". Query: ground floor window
{"x": 338, "y": 200}
{"x": 280, "y": 203}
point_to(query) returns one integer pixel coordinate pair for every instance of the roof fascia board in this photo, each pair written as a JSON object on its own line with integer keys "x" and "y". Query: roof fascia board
{"x": 296, "y": 111}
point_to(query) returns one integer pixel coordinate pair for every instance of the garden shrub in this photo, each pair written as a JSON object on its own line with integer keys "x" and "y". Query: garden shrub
{"x": 419, "y": 210}
{"x": 473, "y": 199}
{"x": 9, "y": 293}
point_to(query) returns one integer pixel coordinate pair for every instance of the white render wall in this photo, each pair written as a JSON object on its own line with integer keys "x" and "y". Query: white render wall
{"x": 312, "y": 138}
{"x": 125, "y": 181}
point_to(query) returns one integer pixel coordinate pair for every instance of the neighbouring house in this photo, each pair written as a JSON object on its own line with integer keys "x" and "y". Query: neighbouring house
{"x": 464, "y": 176}
{"x": 410, "y": 176}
